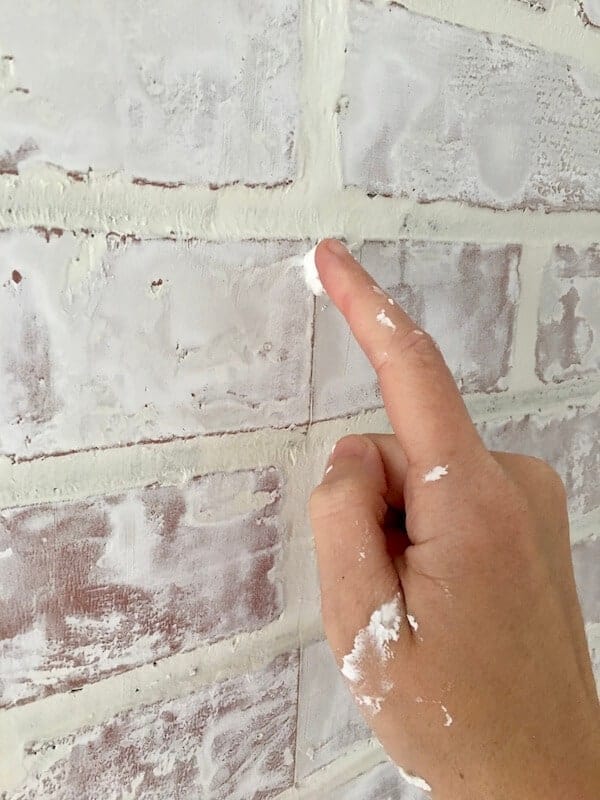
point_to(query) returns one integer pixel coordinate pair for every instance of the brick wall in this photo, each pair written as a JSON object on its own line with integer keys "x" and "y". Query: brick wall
{"x": 169, "y": 389}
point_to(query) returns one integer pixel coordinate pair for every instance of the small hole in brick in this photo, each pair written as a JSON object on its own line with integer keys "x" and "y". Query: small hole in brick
{"x": 16, "y": 276}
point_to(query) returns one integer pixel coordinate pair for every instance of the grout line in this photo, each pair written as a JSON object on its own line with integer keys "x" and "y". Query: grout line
{"x": 114, "y": 470}
{"x": 531, "y": 270}
{"x": 42, "y": 197}
{"x": 558, "y": 30}
{"x": 340, "y": 771}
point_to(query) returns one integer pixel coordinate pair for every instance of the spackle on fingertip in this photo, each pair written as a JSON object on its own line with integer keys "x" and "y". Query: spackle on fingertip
{"x": 383, "y": 319}
{"x": 328, "y": 470}
{"x": 449, "y": 720}
{"x": 435, "y": 474}
{"x": 414, "y": 780}
{"x": 311, "y": 275}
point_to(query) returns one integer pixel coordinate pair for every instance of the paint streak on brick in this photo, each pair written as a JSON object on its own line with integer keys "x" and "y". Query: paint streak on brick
{"x": 107, "y": 342}
{"x": 97, "y": 587}
{"x": 230, "y": 741}
{"x": 454, "y": 290}
{"x": 109, "y": 88}
{"x": 569, "y": 443}
{"x": 568, "y": 340}
{"x": 443, "y": 112}
{"x": 589, "y": 11}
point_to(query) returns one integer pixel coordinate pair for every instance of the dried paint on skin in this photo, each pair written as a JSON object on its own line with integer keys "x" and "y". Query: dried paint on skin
{"x": 311, "y": 275}
{"x": 412, "y": 622}
{"x": 378, "y": 291}
{"x": 435, "y": 474}
{"x": 414, "y": 780}
{"x": 383, "y": 319}
{"x": 372, "y": 649}
{"x": 328, "y": 470}
{"x": 449, "y": 720}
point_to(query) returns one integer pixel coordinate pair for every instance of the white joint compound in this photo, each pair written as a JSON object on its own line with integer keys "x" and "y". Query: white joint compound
{"x": 412, "y": 622}
{"x": 435, "y": 474}
{"x": 383, "y": 319}
{"x": 414, "y": 780}
{"x": 311, "y": 275}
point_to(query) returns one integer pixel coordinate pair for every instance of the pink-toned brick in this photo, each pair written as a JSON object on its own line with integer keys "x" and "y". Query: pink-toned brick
{"x": 230, "y": 741}
{"x": 445, "y": 112}
{"x": 329, "y": 722}
{"x": 586, "y": 563}
{"x": 568, "y": 341}
{"x": 162, "y": 93}
{"x": 100, "y": 586}
{"x": 569, "y": 442}
{"x": 382, "y": 782}
{"x": 463, "y": 294}
{"x": 147, "y": 340}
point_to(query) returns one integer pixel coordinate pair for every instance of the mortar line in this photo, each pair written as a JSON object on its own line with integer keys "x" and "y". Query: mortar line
{"x": 533, "y": 260}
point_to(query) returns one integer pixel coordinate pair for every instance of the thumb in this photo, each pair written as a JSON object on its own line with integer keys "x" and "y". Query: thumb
{"x": 357, "y": 574}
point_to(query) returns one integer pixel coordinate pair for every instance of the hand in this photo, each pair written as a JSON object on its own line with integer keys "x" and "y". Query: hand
{"x": 447, "y": 586}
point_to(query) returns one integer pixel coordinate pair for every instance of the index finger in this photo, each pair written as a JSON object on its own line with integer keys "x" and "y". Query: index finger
{"x": 425, "y": 408}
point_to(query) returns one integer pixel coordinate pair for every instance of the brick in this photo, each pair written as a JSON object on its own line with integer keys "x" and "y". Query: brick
{"x": 329, "y": 722}
{"x": 149, "y": 341}
{"x": 568, "y": 339}
{"x": 568, "y": 442}
{"x": 97, "y": 587}
{"x": 230, "y": 741}
{"x": 456, "y": 291}
{"x": 445, "y": 112}
{"x": 163, "y": 94}
{"x": 586, "y": 563}
{"x": 590, "y": 11}
{"x": 382, "y": 782}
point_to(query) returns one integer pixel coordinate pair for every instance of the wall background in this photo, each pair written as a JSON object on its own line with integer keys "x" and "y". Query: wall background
{"x": 170, "y": 390}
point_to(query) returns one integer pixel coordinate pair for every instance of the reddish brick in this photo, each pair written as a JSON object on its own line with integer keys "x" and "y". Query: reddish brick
{"x": 150, "y": 340}
{"x": 382, "y": 782}
{"x": 329, "y": 722}
{"x": 568, "y": 341}
{"x": 568, "y": 442}
{"x": 464, "y": 294}
{"x": 98, "y": 587}
{"x": 230, "y": 741}
{"x": 445, "y": 112}
{"x": 586, "y": 563}
{"x": 163, "y": 93}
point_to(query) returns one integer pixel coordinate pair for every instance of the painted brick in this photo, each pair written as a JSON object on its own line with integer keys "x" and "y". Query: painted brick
{"x": 536, "y": 5}
{"x": 586, "y": 563}
{"x": 147, "y": 340}
{"x": 329, "y": 722}
{"x": 569, "y": 443}
{"x": 163, "y": 94}
{"x": 445, "y": 112}
{"x": 230, "y": 741}
{"x": 383, "y": 782}
{"x": 568, "y": 341}
{"x": 97, "y": 587}
{"x": 455, "y": 290}
{"x": 590, "y": 11}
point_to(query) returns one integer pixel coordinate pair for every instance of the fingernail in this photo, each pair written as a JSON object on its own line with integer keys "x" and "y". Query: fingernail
{"x": 337, "y": 248}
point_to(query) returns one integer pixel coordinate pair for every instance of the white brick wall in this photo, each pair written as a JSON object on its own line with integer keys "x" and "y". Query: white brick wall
{"x": 169, "y": 389}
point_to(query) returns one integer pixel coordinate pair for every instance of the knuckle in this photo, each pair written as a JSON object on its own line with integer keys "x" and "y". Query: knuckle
{"x": 328, "y": 500}
{"x": 417, "y": 345}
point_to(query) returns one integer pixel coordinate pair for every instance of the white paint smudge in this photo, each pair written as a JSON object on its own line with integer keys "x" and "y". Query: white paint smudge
{"x": 383, "y": 319}
{"x": 378, "y": 291}
{"x": 328, "y": 470}
{"x": 449, "y": 720}
{"x": 362, "y": 555}
{"x": 412, "y": 622}
{"x": 414, "y": 780}
{"x": 371, "y": 649}
{"x": 6, "y": 553}
{"x": 311, "y": 275}
{"x": 390, "y": 301}
{"x": 435, "y": 474}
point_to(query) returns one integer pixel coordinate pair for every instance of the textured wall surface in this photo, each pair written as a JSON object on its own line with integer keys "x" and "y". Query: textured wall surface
{"x": 169, "y": 389}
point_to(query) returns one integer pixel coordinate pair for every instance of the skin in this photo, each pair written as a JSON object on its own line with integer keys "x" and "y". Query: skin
{"x": 480, "y": 558}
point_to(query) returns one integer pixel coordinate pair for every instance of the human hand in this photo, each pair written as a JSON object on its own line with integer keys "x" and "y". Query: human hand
{"x": 458, "y": 629}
